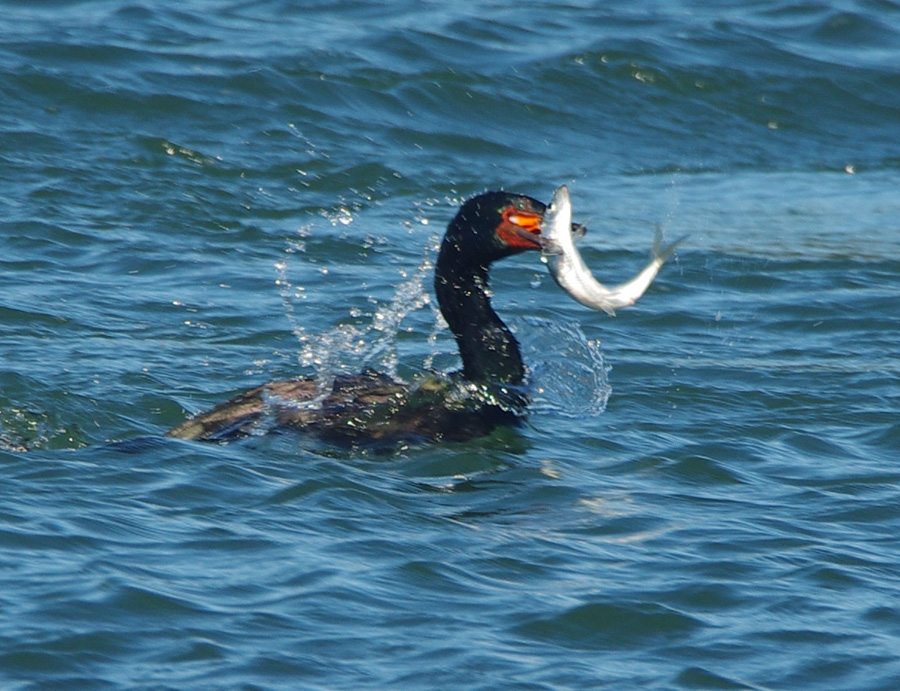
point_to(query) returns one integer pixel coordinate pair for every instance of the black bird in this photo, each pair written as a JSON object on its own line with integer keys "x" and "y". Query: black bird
{"x": 374, "y": 408}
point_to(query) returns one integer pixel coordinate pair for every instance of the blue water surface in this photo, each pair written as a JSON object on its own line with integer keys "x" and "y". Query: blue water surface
{"x": 198, "y": 197}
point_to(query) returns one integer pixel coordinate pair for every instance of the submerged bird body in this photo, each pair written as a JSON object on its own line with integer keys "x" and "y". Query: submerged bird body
{"x": 368, "y": 408}
{"x": 374, "y": 408}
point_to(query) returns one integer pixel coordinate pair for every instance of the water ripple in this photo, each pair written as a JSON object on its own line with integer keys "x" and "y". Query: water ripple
{"x": 198, "y": 199}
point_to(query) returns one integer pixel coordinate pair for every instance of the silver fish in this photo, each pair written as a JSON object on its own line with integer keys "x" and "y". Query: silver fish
{"x": 572, "y": 274}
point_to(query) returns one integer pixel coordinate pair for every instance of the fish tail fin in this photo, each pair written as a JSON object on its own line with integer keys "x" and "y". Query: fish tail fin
{"x": 663, "y": 252}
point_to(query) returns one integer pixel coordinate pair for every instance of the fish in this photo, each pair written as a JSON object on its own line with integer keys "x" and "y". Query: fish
{"x": 572, "y": 274}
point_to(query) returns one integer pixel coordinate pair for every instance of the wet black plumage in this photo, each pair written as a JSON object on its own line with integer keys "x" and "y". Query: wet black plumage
{"x": 373, "y": 407}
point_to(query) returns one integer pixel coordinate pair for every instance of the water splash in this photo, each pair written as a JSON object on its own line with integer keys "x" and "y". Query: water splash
{"x": 569, "y": 375}
{"x": 24, "y": 429}
{"x": 410, "y": 296}
{"x": 348, "y": 348}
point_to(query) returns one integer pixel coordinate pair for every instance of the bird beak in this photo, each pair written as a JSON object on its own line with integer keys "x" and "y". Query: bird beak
{"x": 521, "y": 229}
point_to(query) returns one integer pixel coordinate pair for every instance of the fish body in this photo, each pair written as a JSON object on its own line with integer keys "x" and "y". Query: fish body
{"x": 572, "y": 274}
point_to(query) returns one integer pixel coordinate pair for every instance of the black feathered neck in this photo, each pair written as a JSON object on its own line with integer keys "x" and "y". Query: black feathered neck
{"x": 489, "y": 351}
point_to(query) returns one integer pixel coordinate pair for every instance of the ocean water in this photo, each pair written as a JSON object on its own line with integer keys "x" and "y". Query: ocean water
{"x": 201, "y": 196}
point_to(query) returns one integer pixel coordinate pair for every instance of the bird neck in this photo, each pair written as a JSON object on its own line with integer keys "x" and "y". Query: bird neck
{"x": 489, "y": 351}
